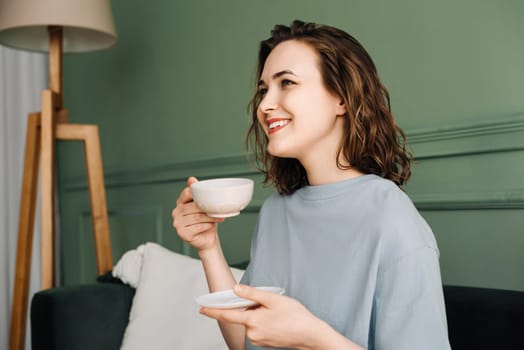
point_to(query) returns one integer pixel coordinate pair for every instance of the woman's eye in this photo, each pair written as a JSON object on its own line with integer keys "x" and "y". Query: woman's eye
{"x": 262, "y": 91}
{"x": 286, "y": 82}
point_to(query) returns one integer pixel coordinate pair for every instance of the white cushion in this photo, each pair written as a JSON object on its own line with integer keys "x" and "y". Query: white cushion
{"x": 128, "y": 268}
{"x": 164, "y": 314}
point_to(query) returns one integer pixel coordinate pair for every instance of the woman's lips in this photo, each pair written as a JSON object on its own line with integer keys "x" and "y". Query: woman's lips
{"x": 275, "y": 125}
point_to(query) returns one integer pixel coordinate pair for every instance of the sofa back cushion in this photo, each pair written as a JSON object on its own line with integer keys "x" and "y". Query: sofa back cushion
{"x": 483, "y": 318}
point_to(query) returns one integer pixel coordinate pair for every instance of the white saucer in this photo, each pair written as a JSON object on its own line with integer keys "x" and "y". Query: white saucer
{"x": 227, "y": 299}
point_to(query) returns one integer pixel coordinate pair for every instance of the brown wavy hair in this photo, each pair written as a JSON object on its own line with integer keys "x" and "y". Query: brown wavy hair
{"x": 372, "y": 142}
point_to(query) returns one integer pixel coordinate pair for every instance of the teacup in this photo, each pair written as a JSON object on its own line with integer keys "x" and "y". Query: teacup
{"x": 223, "y": 197}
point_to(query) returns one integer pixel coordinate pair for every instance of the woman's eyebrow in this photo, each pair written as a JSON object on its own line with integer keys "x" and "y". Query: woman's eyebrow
{"x": 277, "y": 75}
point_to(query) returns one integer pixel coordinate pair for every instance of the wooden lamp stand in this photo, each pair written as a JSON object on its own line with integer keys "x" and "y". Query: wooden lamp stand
{"x": 43, "y": 129}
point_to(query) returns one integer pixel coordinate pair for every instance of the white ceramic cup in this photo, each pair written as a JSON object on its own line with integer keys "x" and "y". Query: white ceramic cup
{"x": 222, "y": 198}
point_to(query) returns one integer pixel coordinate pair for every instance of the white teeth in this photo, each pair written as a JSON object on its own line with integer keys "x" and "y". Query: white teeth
{"x": 278, "y": 123}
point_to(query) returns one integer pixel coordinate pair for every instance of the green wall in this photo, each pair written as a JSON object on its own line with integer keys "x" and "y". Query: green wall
{"x": 170, "y": 100}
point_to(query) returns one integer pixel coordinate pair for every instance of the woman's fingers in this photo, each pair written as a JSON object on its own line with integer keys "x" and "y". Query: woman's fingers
{"x": 198, "y": 216}
{"x": 191, "y": 223}
{"x": 185, "y": 197}
{"x": 183, "y": 210}
{"x": 191, "y": 213}
{"x": 191, "y": 180}
{"x": 189, "y": 220}
{"x": 190, "y": 209}
{"x": 190, "y": 233}
{"x": 224, "y": 315}
{"x": 264, "y": 298}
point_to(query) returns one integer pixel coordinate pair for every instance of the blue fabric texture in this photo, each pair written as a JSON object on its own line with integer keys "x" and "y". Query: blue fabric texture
{"x": 359, "y": 256}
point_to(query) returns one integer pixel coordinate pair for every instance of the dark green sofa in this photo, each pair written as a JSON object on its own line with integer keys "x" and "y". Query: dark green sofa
{"x": 95, "y": 316}
{"x": 91, "y": 316}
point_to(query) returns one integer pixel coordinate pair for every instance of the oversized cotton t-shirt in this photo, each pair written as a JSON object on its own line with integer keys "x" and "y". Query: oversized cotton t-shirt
{"x": 359, "y": 256}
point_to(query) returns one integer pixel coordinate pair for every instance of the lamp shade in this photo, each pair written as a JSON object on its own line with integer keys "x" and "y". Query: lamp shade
{"x": 88, "y": 24}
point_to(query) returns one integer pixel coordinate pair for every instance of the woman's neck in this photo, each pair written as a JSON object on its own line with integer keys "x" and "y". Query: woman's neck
{"x": 324, "y": 170}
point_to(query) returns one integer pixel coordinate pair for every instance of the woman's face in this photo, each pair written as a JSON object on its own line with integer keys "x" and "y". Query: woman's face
{"x": 298, "y": 114}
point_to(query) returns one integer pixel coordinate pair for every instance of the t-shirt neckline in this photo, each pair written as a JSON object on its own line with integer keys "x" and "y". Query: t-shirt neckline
{"x": 324, "y": 191}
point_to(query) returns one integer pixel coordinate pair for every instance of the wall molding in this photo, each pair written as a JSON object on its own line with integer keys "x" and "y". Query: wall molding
{"x": 86, "y": 259}
{"x": 500, "y": 134}
{"x": 469, "y": 201}
{"x": 231, "y": 165}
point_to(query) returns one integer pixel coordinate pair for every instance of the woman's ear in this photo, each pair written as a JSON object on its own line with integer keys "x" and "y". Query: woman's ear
{"x": 341, "y": 108}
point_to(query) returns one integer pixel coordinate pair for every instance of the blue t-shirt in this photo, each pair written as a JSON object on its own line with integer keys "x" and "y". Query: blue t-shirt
{"x": 359, "y": 256}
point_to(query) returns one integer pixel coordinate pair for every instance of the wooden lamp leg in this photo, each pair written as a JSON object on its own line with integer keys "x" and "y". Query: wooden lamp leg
{"x": 48, "y": 190}
{"x": 25, "y": 233}
{"x": 89, "y": 135}
{"x": 97, "y": 195}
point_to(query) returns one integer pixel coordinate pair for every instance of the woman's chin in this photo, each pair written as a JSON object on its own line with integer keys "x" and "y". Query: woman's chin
{"x": 278, "y": 152}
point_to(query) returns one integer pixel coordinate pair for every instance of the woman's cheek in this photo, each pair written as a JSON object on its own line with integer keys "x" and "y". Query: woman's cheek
{"x": 262, "y": 124}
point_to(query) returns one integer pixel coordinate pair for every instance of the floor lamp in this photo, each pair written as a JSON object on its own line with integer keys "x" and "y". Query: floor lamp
{"x": 54, "y": 26}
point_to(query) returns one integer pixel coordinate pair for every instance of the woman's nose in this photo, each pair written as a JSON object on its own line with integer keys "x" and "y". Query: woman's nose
{"x": 268, "y": 103}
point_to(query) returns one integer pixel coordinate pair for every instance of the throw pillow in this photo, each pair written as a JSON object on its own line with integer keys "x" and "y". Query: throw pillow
{"x": 164, "y": 314}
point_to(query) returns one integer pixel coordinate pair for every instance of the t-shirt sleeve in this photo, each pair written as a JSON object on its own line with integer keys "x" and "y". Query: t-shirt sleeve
{"x": 409, "y": 310}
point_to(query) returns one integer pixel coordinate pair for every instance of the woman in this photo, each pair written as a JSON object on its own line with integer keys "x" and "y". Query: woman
{"x": 358, "y": 262}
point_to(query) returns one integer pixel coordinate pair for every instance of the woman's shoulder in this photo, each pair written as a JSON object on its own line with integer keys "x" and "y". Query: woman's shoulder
{"x": 398, "y": 220}
{"x": 271, "y": 202}
{"x": 388, "y": 196}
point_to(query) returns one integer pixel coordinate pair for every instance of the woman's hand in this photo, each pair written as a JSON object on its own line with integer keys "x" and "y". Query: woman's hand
{"x": 192, "y": 224}
{"x": 279, "y": 321}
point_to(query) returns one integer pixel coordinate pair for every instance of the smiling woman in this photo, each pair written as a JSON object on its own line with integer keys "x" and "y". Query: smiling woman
{"x": 326, "y": 73}
{"x": 357, "y": 261}
{"x": 296, "y": 111}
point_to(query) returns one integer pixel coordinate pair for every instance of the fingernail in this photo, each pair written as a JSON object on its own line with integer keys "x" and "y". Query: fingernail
{"x": 238, "y": 288}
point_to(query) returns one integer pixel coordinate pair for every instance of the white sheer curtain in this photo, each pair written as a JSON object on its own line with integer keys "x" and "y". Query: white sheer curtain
{"x": 23, "y": 75}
